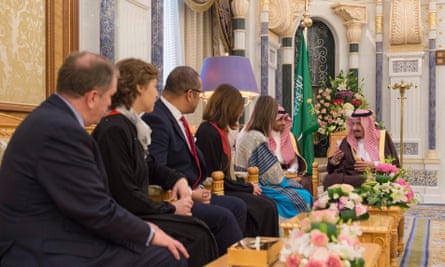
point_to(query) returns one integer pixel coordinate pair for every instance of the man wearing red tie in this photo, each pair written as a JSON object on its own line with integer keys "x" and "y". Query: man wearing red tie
{"x": 173, "y": 145}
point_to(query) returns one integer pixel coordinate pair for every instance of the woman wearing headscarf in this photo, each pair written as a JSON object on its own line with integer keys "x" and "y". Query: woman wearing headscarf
{"x": 252, "y": 149}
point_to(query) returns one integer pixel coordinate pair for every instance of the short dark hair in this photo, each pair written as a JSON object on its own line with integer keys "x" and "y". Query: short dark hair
{"x": 181, "y": 79}
{"x": 263, "y": 115}
{"x": 224, "y": 106}
{"x": 132, "y": 72}
{"x": 83, "y": 71}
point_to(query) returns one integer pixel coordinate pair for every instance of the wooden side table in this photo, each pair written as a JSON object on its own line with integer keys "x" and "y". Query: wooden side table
{"x": 371, "y": 257}
{"x": 378, "y": 230}
{"x": 398, "y": 215}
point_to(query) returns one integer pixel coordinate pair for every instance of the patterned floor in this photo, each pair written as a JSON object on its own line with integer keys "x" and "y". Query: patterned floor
{"x": 424, "y": 236}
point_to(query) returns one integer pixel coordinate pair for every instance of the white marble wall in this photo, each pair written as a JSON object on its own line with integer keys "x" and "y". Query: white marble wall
{"x": 133, "y": 31}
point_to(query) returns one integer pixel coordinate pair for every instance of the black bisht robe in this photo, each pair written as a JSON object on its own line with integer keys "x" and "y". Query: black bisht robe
{"x": 344, "y": 173}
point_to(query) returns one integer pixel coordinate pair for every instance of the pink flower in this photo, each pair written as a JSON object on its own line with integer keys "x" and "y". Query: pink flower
{"x": 403, "y": 183}
{"x": 349, "y": 240}
{"x": 297, "y": 234}
{"x": 334, "y": 261}
{"x": 318, "y": 238}
{"x": 386, "y": 168}
{"x": 360, "y": 209}
{"x": 315, "y": 263}
{"x": 319, "y": 254}
{"x": 293, "y": 260}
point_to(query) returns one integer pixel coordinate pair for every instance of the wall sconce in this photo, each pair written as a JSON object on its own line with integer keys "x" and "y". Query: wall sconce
{"x": 234, "y": 70}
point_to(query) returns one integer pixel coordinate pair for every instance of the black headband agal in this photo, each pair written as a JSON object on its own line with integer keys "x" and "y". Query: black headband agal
{"x": 357, "y": 115}
{"x": 282, "y": 112}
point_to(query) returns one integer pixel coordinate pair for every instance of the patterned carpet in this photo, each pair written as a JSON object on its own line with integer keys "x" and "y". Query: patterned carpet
{"x": 424, "y": 236}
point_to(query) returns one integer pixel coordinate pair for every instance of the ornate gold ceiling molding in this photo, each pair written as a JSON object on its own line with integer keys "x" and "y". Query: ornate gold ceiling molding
{"x": 354, "y": 16}
{"x": 283, "y": 16}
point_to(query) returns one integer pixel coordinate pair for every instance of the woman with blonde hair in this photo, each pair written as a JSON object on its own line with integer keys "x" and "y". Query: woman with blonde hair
{"x": 252, "y": 149}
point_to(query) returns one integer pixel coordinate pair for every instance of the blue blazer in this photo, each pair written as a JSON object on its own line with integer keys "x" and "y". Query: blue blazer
{"x": 55, "y": 208}
{"x": 169, "y": 145}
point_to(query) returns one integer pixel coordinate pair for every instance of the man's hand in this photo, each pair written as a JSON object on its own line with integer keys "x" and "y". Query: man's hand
{"x": 183, "y": 206}
{"x": 181, "y": 189}
{"x": 256, "y": 189}
{"x": 201, "y": 195}
{"x": 361, "y": 165}
{"x": 162, "y": 239}
{"x": 337, "y": 157}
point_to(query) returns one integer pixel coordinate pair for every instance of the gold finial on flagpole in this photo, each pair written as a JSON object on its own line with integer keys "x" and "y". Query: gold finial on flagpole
{"x": 307, "y": 21}
{"x": 402, "y": 87}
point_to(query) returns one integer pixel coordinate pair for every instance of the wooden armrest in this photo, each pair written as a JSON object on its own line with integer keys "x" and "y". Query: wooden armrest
{"x": 156, "y": 193}
{"x": 315, "y": 179}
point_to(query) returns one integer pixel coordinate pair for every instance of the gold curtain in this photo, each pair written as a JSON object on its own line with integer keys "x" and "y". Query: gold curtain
{"x": 199, "y": 5}
{"x": 223, "y": 20}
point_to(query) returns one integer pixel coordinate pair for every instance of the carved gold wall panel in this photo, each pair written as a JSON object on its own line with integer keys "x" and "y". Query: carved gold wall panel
{"x": 405, "y": 22}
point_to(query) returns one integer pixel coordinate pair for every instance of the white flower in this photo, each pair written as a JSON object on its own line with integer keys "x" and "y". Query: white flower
{"x": 342, "y": 86}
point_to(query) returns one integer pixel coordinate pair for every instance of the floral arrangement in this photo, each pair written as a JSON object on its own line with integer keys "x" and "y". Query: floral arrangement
{"x": 386, "y": 186}
{"x": 336, "y": 102}
{"x": 320, "y": 242}
{"x": 341, "y": 197}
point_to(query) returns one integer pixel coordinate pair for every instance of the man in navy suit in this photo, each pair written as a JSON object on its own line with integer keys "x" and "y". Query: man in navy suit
{"x": 55, "y": 208}
{"x": 172, "y": 146}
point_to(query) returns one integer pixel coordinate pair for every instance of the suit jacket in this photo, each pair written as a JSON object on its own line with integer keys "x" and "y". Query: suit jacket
{"x": 169, "y": 144}
{"x": 55, "y": 207}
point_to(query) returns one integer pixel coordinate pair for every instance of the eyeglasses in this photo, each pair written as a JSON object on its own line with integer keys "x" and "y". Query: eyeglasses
{"x": 199, "y": 92}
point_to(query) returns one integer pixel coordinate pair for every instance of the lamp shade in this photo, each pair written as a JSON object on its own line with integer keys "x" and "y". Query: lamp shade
{"x": 234, "y": 70}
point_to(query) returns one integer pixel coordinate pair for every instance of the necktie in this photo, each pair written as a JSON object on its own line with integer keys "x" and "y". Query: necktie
{"x": 192, "y": 149}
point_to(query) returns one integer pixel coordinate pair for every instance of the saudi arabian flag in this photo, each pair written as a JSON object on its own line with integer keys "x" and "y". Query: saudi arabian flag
{"x": 304, "y": 119}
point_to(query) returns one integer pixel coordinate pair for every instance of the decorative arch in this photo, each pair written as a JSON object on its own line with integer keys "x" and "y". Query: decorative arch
{"x": 322, "y": 51}
{"x": 322, "y": 55}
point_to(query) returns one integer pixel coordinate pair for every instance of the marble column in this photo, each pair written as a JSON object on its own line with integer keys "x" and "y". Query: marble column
{"x": 283, "y": 20}
{"x": 355, "y": 16}
{"x": 107, "y": 24}
{"x": 432, "y": 23}
{"x": 239, "y": 10}
{"x": 157, "y": 37}
{"x": 264, "y": 19}
{"x": 378, "y": 58}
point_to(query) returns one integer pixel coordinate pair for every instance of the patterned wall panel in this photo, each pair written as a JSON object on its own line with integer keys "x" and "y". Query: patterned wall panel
{"x": 22, "y": 51}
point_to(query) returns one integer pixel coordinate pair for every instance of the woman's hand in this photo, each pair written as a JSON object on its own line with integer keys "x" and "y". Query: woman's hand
{"x": 183, "y": 206}
{"x": 201, "y": 195}
{"x": 256, "y": 189}
{"x": 181, "y": 189}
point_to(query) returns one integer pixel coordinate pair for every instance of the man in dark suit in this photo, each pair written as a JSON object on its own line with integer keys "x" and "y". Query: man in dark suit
{"x": 173, "y": 145}
{"x": 55, "y": 208}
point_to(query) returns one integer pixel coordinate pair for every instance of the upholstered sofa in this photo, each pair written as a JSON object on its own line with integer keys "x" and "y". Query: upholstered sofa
{"x": 8, "y": 124}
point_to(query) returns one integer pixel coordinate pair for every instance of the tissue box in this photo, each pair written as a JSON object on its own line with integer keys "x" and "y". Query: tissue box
{"x": 245, "y": 252}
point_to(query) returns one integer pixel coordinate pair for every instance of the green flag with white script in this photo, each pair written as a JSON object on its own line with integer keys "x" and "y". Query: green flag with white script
{"x": 304, "y": 119}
